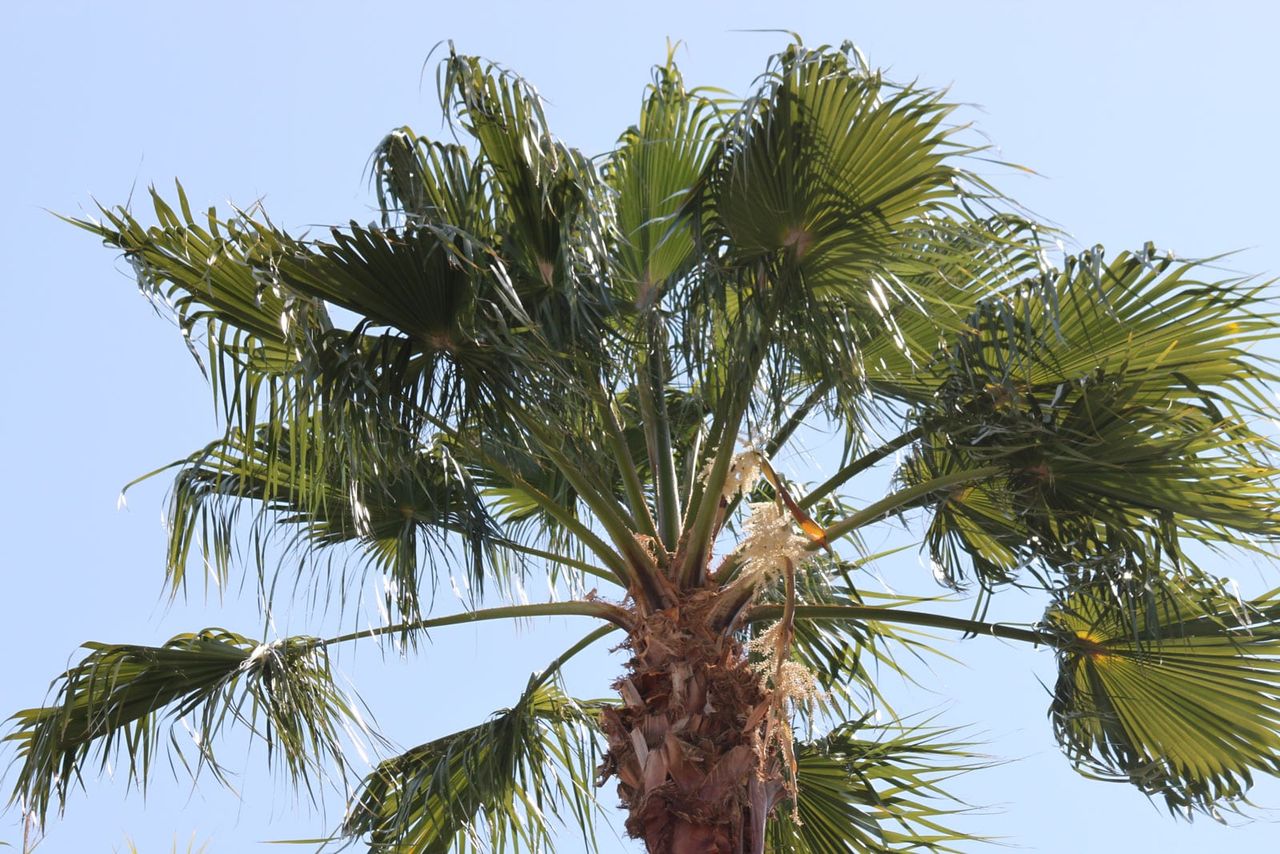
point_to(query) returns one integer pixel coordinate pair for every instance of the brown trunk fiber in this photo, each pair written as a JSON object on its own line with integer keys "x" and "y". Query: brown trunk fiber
{"x": 686, "y": 743}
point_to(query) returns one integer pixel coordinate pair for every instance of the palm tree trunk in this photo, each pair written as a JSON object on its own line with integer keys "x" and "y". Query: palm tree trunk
{"x": 686, "y": 743}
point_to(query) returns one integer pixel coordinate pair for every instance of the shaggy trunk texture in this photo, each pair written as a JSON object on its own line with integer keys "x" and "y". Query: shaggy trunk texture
{"x": 687, "y": 745}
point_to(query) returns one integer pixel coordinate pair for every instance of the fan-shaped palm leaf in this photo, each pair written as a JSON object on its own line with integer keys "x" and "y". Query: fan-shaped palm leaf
{"x": 1178, "y": 694}
{"x": 396, "y": 514}
{"x": 114, "y": 701}
{"x": 1114, "y": 406}
{"x": 872, "y": 794}
{"x": 488, "y": 788}
{"x": 652, "y": 172}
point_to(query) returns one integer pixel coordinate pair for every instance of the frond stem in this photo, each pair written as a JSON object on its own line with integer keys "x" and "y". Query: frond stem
{"x": 875, "y": 614}
{"x": 640, "y": 564}
{"x": 636, "y": 499}
{"x": 600, "y": 610}
{"x": 565, "y": 560}
{"x": 651, "y": 385}
{"x": 616, "y": 563}
{"x": 903, "y": 499}
{"x": 559, "y": 661}
{"x": 606, "y": 508}
{"x": 710, "y": 501}
{"x": 795, "y": 419}
{"x": 860, "y": 465}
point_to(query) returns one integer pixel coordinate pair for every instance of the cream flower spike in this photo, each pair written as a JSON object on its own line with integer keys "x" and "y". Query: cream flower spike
{"x": 744, "y": 473}
{"x": 769, "y": 540}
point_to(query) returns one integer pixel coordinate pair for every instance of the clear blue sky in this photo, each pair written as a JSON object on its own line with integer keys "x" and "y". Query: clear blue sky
{"x": 1147, "y": 121}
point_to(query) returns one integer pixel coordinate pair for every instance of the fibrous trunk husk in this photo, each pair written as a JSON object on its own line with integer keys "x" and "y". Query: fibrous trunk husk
{"x": 687, "y": 743}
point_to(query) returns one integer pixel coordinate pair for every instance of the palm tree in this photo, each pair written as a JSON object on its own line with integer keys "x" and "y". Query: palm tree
{"x": 540, "y": 362}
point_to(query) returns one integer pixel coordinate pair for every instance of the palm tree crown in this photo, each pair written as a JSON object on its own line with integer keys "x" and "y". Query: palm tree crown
{"x": 541, "y": 362}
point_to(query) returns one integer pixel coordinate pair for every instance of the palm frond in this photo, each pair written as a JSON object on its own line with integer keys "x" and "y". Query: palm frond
{"x": 1102, "y": 486}
{"x": 273, "y": 356}
{"x": 493, "y": 787}
{"x": 114, "y": 701}
{"x": 839, "y": 208}
{"x": 1117, "y": 399}
{"x": 427, "y": 281}
{"x": 876, "y": 791}
{"x": 428, "y": 183}
{"x": 652, "y": 172}
{"x": 962, "y": 263}
{"x": 438, "y": 337}
{"x": 413, "y": 507}
{"x": 976, "y": 529}
{"x": 200, "y": 272}
{"x": 1178, "y": 694}
{"x": 552, "y": 247}
{"x": 339, "y": 417}
{"x": 830, "y": 163}
{"x": 1143, "y": 315}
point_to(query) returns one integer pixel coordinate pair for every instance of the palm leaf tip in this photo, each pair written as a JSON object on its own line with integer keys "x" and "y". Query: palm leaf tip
{"x": 115, "y": 699}
{"x": 1178, "y": 693}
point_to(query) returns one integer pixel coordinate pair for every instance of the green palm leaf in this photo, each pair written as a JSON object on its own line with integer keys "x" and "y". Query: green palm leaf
{"x": 443, "y": 309}
{"x": 428, "y": 183}
{"x": 961, "y": 264}
{"x": 653, "y": 171}
{"x": 975, "y": 528}
{"x": 492, "y": 787}
{"x": 840, "y": 208}
{"x": 872, "y": 794}
{"x": 413, "y": 506}
{"x": 1097, "y": 479}
{"x": 1116, "y": 401}
{"x": 200, "y": 271}
{"x": 1179, "y": 694}
{"x": 1181, "y": 336}
{"x": 543, "y": 189}
{"x": 831, "y": 164}
{"x": 115, "y": 700}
